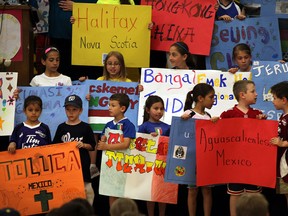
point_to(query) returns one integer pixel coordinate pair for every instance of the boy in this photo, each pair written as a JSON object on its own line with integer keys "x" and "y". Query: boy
{"x": 250, "y": 204}
{"x": 280, "y": 101}
{"x": 76, "y": 130}
{"x": 118, "y": 104}
{"x": 245, "y": 93}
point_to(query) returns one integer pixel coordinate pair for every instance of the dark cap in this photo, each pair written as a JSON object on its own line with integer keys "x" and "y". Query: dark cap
{"x": 9, "y": 211}
{"x": 73, "y": 100}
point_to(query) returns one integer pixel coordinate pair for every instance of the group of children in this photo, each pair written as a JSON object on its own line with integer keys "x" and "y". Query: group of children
{"x": 200, "y": 98}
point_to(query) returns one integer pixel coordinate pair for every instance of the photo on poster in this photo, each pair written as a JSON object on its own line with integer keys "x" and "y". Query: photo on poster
{"x": 180, "y": 152}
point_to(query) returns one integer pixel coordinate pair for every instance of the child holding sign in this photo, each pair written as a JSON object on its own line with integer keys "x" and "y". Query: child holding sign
{"x": 118, "y": 105}
{"x": 32, "y": 132}
{"x": 153, "y": 112}
{"x": 242, "y": 57}
{"x": 76, "y": 130}
{"x": 280, "y": 101}
{"x": 245, "y": 93}
{"x": 203, "y": 97}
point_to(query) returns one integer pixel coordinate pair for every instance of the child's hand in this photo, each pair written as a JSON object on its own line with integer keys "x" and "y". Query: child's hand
{"x": 83, "y": 78}
{"x": 103, "y": 138}
{"x": 88, "y": 97}
{"x": 261, "y": 116}
{"x": 72, "y": 21}
{"x": 216, "y": 6}
{"x": 154, "y": 134}
{"x": 214, "y": 119}
{"x": 233, "y": 70}
{"x": 102, "y": 145}
{"x": 150, "y": 26}
{"x": 282, "y": 61}
{"x": 16, "y": 94}
{"x": 241, "y": 17}
{"x": 185, "y": 116}
{"x": 277, "y": 141}
{"x": 80, "y": 145}
{"x": 12, "y": 148}
{"x": 140, "y": 88}
{"x": 66, "y": 5}
{"x": 226, "y": 18}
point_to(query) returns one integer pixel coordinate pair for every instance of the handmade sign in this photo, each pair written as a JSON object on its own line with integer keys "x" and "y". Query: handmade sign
{"x": 101, "y": 28}
{"x": 242, "y": 154}
{"x": 8, "y": 84}
{"x": 36, "y": 180}
{"x": 138, "y": 172}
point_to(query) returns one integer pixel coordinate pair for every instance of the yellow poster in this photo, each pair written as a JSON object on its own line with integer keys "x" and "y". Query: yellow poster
{"x": 36, "y": 180}
{"x": 101, "y": 28}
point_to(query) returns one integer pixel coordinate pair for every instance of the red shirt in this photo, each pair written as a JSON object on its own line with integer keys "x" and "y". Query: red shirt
{"x": 236, "y": 113}
{"x": 283, "y": 133}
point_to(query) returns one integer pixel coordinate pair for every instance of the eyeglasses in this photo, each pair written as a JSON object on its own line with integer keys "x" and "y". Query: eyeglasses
{"x": 115, "y": 64}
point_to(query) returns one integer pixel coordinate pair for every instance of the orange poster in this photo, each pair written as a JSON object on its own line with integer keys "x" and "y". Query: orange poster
{"x": 236, "y": 150}
{"x": 36, "y": 180}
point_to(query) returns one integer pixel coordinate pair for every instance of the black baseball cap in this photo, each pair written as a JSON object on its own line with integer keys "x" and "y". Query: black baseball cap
{"x": 73, "y": 100}
{"x": 9, "y": 211}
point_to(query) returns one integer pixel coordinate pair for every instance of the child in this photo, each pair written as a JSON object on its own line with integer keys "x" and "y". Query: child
{"x": 114, "y": 68}
{"x": 180, "y": 57}
{"x": 280, "y": 101}
{"x": 203, "y": 97}
{"x": 118, "y": 105}
{"x": 32, "y": 132}
{"x": 76, "y": 130}
{"x": 242, "y": 56}
{"x": 228, "y": 10}
{"x": 153, "y": 112}
{"x": 51, "y": 77}
{"x": 245, "y": 93}
{"x": 250, "y": 204}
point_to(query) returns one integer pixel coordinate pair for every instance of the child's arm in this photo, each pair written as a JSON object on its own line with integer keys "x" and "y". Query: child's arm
{"x": 84, "y": 145}
{"x": 66, "y": 5}
{"x": 12, "y": 147}
{"x": 117, "y": 146}
{"x": 279, "y": 142}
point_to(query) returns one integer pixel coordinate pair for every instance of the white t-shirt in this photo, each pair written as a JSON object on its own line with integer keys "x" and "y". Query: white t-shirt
{"x": 43, "y": 80}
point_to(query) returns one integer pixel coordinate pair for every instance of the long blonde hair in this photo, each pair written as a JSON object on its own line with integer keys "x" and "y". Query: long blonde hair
{"x": 122, "y": 73}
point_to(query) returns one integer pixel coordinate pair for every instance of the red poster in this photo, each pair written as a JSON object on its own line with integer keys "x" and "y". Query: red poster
{"x": 184, "y": 20}
{"x": 236, "y": 150}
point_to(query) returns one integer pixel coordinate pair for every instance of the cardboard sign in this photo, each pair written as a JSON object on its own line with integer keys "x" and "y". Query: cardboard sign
{"x": 261, "y": 34}
{"x": 138, "y": 172}
{"x": 36, "y": 180}
{"x": 188, "y": 21}
{"x": 8, "y": 84}
{"x": 101, "y": 28}
{"x": 265, "y": 75}
{"x": 242, "y": 154}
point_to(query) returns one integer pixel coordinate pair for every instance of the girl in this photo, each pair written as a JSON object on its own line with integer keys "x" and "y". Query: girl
{"x": 203, "y": 97}
{"x": 153, "y": 112}
{"x": 51, "y": 77}
{"x": 114, "y": 68}
{"x": 180, "y": 57}
{"x": 242, "y": 56}
{"x": 32, "y": 127}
